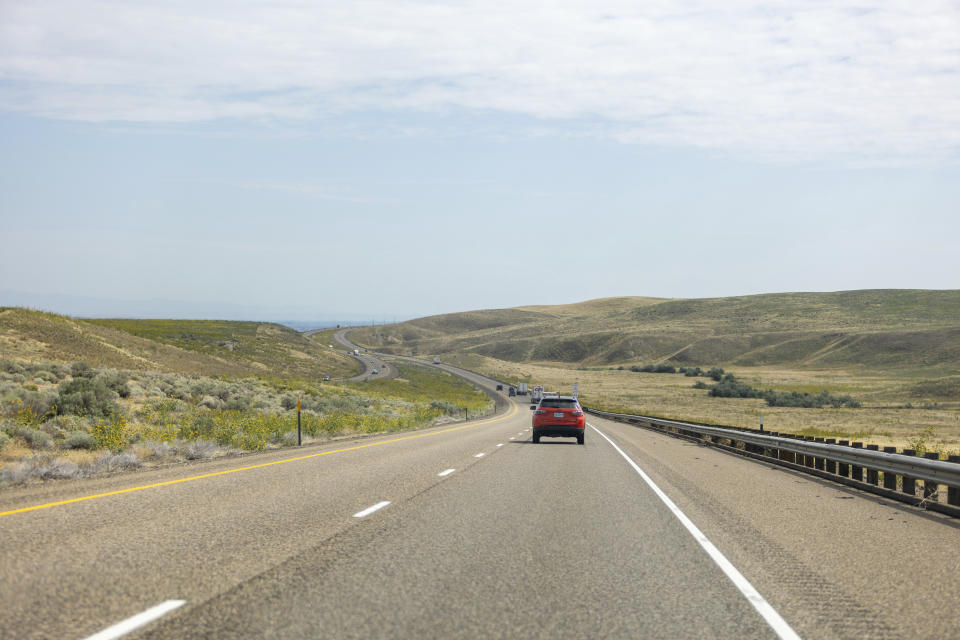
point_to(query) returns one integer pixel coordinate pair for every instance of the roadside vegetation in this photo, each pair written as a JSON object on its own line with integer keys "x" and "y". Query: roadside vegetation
{"x": 896, "y": 407}
{"x": 732, "y": 387}
{"x": 59, "y": 420}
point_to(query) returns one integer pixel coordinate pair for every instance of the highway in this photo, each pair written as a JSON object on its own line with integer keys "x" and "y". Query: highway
{"x": 371, "y": 361}
{"x": 469, "y": 530}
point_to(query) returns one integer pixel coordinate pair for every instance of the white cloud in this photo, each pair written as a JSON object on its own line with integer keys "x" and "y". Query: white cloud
{"x": 790, "y": 81}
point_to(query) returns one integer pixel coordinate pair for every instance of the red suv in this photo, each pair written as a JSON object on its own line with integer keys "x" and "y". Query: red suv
{"x": 558, "y": 417}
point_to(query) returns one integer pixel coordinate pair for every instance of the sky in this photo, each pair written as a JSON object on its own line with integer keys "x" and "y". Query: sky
{"x": 379, "y": 160}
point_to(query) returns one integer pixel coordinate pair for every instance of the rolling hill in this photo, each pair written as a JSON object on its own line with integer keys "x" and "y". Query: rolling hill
{"x": 849, "y": 329}
{"x": 204, "y": 347}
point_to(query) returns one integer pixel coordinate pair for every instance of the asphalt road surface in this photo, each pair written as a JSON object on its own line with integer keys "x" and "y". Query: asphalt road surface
{"x": 469, "y": 530}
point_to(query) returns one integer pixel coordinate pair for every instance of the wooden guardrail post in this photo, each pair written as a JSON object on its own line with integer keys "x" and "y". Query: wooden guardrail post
{"x": 817, "y": 460}
{"x": 786, "y": 456}
{"x": 789, "y": 456}
{"x": 843, "y": 469}
{"x": 953, "y": 493}
{"x": 909, "y": 484}
{"x": 890, "y": 479}
{"x": 872, "y": 475}
{"x": 809, "y": 460}
{"x": 855, "y": 470}
{"x": 831, "y": 464}
{"x": 930, "y": 489}
{"x": 769, "y": 451}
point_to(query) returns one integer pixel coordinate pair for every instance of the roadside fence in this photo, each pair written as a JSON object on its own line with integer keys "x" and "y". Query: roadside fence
{"x": 926, "y": 481}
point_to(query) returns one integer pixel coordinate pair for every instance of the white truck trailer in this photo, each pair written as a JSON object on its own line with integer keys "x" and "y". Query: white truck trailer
{"x": 536, "y": 393}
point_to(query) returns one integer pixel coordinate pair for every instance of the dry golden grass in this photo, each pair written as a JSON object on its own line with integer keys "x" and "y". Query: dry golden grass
{"x": 196, "y": 347}
{"x": 844, "y": 330}
{"x": 880, "y": 421}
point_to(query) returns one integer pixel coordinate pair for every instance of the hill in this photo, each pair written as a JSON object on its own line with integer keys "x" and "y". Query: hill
{"x": 204, "y": 347}
{"x": 874, "y": 328}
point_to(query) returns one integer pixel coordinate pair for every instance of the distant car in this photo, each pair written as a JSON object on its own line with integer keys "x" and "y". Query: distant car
{"x": 374, "y": 372}
{"x": 326, "y": 378}
{"x": 560, "y": 417}
{"x": 513, "y": 391}
{"x": 499, "y": 387}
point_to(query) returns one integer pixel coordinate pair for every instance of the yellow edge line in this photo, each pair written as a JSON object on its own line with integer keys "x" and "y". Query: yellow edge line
{"x": 255, "y": 466}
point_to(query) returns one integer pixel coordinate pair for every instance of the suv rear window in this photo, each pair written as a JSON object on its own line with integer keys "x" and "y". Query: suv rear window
{"x": 556, "y": 403}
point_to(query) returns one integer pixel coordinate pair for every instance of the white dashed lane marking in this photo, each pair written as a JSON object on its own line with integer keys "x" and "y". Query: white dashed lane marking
{"x": 369, "y": 510}
{"x": 124, "y": 627}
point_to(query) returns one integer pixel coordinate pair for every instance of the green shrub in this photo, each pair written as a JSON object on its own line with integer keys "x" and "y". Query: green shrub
{"x": 116, "y": 381}
{"x": 35, "y": 438}
{"x": 81, "y": 370}
{"x": 655, "y": 368}
{"x": 809, "y": 400}
{"x": 730, "y": 387}
{"x": 40, "y": 404}
{"x": 53, "y": 430}
{"x": 87, "y": 397}
{"x": 716, "y": 373}
{"x": 447, "y": 408}
{"x": 238, "y": 403}
{"x": 9, "y": 366}
{"x": 79, "y": 440}
{"x": 4, "y": 439}
{"x": 46, "y": 376}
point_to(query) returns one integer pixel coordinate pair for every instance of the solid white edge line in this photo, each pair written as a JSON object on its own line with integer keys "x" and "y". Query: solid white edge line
{"x": 369, "y": 510}
{"x": 446, "y": 472}
{"x": 479, "y": 455}
{"x": 766, "y": 611}
{"x": 124, "y": 627}
{"x": 500, "y": 445}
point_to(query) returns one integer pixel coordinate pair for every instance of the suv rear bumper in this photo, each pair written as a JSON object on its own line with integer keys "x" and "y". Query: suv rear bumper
{"x": 558, "y": 431}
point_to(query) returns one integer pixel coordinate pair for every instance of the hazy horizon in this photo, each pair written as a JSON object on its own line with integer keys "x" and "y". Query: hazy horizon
{"x": 300, "y": 319}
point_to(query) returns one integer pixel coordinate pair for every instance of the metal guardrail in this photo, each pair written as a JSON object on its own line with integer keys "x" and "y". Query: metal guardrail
{"x": 849, "y": 464}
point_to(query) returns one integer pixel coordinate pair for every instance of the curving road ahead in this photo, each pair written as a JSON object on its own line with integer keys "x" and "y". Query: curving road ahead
{"x": 371, "y": 361}
{"x": 472, "y": 531}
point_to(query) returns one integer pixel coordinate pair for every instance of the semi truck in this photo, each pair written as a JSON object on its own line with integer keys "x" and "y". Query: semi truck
{"x": 521, "y": 388}
{"x": 536, "y": 393}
